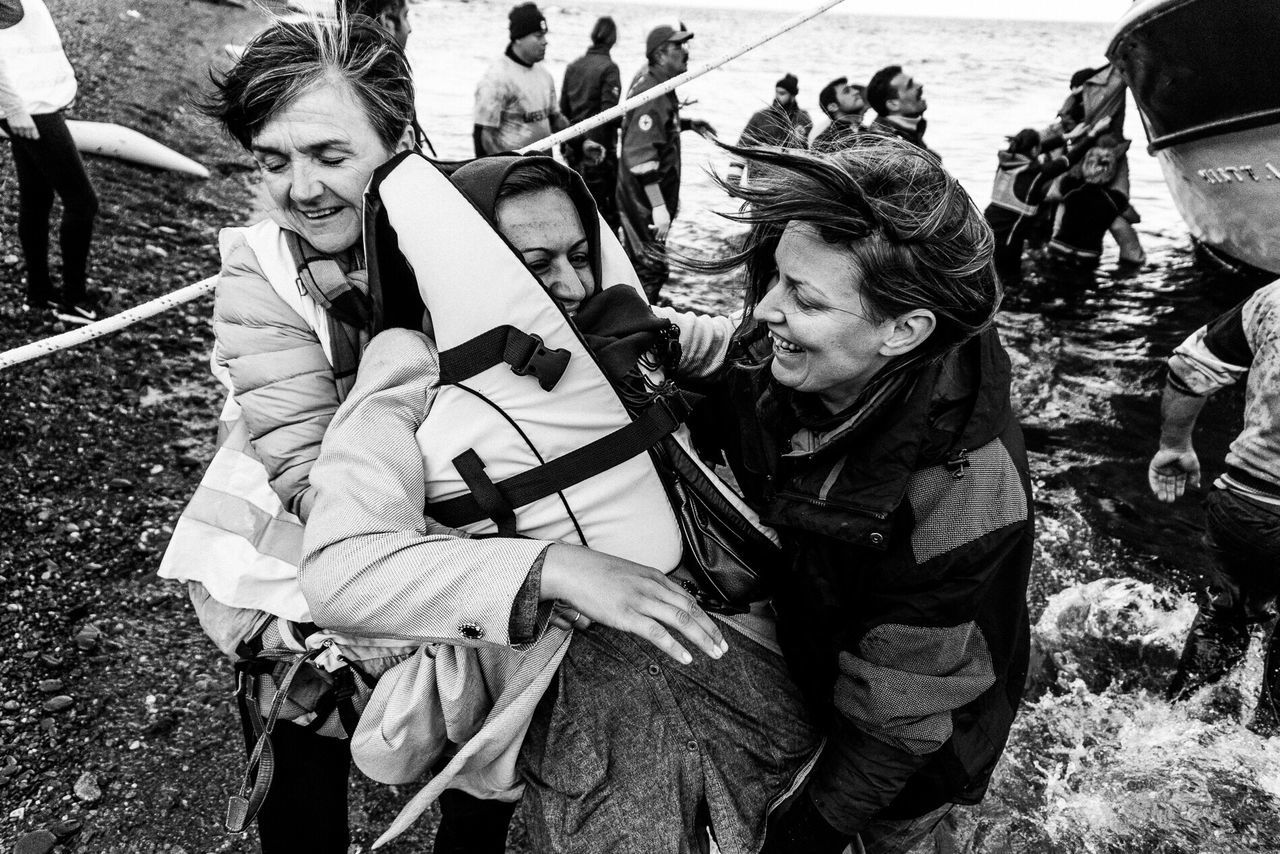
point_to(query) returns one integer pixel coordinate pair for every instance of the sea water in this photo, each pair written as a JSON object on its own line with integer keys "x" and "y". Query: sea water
{"x": 1088, "y": 353}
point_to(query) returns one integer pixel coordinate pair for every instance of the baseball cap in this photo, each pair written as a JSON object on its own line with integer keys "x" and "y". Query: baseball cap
{"x": 664, "y": 33}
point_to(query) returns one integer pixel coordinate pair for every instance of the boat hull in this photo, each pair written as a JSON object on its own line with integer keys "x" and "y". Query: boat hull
{"x": 1227, "y": 189}
{"x": 106, "y": 139}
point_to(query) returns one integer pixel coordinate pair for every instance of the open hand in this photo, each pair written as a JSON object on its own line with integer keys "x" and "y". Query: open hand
{"x": 629, "y": 597}
{"x": 1171, "y": 471}
{"x": 23, "y": 126}
{"x": 661, "y": 223}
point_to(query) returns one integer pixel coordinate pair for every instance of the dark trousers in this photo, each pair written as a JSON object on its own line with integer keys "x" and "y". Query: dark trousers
{"x": 602, "y": 183}
{"x": 47, "y": 166}
{"x": 306, "y": 808}
{"x": 1243, "y": 538}
{"x": 1008, "y": 258}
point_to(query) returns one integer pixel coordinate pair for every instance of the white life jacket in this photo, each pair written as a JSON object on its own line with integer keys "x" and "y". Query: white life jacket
{"x": 1002, "y": 190}
{"x": 35, "y": 63}
{"x": 507, "y": 421}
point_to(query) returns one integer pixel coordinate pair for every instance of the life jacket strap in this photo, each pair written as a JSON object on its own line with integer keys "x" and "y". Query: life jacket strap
{"x": 660, "y": 419}
{"x": 525, "y": 352}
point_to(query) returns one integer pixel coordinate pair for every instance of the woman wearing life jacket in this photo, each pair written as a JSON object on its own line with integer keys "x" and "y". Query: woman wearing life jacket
{"x": 657, "y": 721}
{"x": 319, "y": 105}
{"x": 866, "y": 413}
{"x": 1023, "y": 179}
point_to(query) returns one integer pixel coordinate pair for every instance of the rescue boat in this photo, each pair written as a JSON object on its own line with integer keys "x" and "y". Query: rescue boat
{"x": 1205, "y": 75}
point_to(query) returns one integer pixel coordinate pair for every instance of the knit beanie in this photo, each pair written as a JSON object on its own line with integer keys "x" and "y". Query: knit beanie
{"x": 790, "y": 83}
{"x": 525, "y": 20}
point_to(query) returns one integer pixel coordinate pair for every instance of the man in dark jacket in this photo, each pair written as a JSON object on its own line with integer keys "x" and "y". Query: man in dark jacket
{"x": 649, "y": 180}
{"x": 592, "y": 84}
{"x": 874, "y": 431}
{"x": 782, "y": 124}
{"x": 899, "y": 104}
{"x": 844, "y": 103}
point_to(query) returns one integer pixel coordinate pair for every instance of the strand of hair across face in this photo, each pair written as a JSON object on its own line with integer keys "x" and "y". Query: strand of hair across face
{"x": 116, "y": 322}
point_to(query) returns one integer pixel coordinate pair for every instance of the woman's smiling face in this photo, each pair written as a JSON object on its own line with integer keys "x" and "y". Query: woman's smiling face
{"x": 825, "y": 341}
{"x": 317, "y": 155}
{"x": 546, "y": 230}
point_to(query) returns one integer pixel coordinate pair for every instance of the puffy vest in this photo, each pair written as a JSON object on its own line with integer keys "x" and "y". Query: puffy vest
{"x": 1002, "y": 191}
{"x": 518, "y": 415}
{"x": 35, "y": 63}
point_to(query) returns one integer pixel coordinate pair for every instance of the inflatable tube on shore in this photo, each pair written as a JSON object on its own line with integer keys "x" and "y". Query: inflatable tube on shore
{"x": 111, "y": 140}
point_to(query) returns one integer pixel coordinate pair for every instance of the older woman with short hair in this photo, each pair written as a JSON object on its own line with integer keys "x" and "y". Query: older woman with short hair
{"x": 872, "y": 426}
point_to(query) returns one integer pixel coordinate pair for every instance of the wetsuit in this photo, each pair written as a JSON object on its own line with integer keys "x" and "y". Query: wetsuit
{"x": 516, "y": 98}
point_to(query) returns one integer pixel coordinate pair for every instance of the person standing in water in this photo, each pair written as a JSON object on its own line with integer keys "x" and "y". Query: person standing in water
{"x": 782, "y": 124}
{"x": 1242, "y": 511}
{"x": 899, "y": 104}
{"x": 649, "y": 182}
{"x": 37, "y": 85}
{"x": 844, "y": 103}
{"x": 593, "y": 84}
{"x": 516, "y": 100}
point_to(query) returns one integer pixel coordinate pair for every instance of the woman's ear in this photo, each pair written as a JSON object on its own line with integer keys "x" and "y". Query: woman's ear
{"x": 407, "y": 140}
{"x": 909, "y": 331}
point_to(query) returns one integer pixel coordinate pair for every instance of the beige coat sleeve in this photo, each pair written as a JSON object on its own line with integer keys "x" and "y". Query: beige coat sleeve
{"x": 279, "y": 372}
{"x": 373, "y": 563}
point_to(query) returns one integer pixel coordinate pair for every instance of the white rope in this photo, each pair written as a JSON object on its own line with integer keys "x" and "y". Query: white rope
{"x": 662, "y": 89}
{"x": 116, "y": 322}
{"x": 107, "y": 325}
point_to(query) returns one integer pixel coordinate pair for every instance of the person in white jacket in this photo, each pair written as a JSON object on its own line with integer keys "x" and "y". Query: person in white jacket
{"x": 37, "y": 85}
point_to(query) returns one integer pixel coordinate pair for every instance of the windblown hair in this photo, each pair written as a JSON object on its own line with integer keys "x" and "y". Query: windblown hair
{"x": 915, "y": 237}
{"x": 289, "y": 57}
{"x": 880, "y": 89}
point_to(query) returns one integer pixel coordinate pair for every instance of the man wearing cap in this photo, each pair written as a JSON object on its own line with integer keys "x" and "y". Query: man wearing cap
{"x": 844, "y": 103}
{"x": 516, "y": 100}
{"x": 592, "y": 84}
{"x": 782, "y": 124}
{"x": 899, "y": 104}
{"x": 649, "y": 180}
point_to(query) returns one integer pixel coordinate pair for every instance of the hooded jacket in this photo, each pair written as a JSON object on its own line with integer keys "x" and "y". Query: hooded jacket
{"x": 903, "y": 615}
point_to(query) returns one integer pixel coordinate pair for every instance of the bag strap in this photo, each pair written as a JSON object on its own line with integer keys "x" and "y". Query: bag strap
{"x": 525, "y": 352}
{"x": 243, "y": 806}
{"x": 660, "y": 419}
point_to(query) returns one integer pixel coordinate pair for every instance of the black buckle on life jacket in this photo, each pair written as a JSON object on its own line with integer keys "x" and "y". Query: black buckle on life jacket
{"x": 957, "y": 464}
{"x": 545, "y": 363}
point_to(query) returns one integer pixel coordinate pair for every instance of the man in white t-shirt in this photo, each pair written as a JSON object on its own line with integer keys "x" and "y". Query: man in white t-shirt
{"x": 516, "y": 99}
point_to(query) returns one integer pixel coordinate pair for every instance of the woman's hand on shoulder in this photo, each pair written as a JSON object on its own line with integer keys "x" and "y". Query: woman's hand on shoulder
{"x": 630, "y": 597}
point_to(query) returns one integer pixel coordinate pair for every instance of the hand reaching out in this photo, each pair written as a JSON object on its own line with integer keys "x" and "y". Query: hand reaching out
{"x": 1171, "y": 471}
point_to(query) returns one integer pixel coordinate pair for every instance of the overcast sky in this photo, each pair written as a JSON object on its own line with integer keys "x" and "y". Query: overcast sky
{"x": 1066, "y": 10}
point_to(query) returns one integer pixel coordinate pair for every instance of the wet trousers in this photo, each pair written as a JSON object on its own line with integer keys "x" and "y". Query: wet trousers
{"x": 648, "y": 256}
{"x": 46, "y": 167}
{"x": 631, "y": 753}
{"x": 602, "y": 182}
{"x": 1243, "y": 538}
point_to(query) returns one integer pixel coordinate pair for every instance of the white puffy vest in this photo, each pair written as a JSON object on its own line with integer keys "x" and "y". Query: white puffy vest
{"x": 34, "y": 63}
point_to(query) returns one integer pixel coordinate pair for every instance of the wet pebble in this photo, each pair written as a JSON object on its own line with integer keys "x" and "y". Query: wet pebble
{"x": 86, "y": 788}
{"x": 49, "y": 686}
{"x": 88, "y": 636}
{"x": 63, "y": 829}
{"x": 39, "y": 842}
{"x": 58, "y": 703}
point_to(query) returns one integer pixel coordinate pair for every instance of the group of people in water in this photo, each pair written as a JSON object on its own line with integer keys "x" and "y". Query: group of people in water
{"x": 485, "y": 547}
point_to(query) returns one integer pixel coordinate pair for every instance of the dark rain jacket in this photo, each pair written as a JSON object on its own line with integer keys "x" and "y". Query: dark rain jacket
{"x": 903, "y": 615}
{"x": 787, "y": 127}
{"x": 914, "y": 136}
{"x": 840, "y": 133}
{"x": 592, "y": 84}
